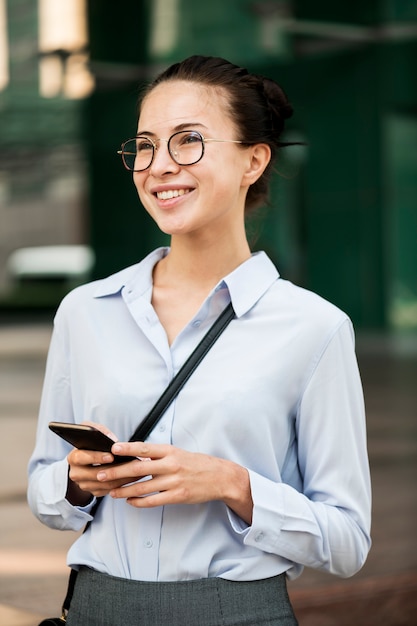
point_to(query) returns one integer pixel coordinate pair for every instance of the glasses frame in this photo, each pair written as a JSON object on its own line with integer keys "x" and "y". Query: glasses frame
{"x": 155, "y": 147}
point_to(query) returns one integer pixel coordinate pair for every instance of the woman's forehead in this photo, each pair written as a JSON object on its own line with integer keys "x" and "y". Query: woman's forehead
{"x": 173, "y": 103}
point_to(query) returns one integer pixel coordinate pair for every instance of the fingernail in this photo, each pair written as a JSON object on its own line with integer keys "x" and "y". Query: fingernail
{"x": 101, "y": 476}
{"x": 107, "y": 458}
{"x": 117, "y": 448}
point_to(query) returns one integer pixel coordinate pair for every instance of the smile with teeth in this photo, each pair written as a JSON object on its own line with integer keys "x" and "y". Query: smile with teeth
{"x": 171, "y": 193}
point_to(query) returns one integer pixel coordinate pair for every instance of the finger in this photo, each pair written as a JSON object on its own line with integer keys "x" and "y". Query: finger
{"x": 152, "y": 498}
{"x": 150, "y": 485}
{"x": 141, "y": 449}
{"x": 126, "y": 471}
{"x": 89, "y": 457}
{"x": 138, "y": 489}
{"x": 104, "y": 429}
{"x": 88, "y": 482}
{"x": 148, "y": 502}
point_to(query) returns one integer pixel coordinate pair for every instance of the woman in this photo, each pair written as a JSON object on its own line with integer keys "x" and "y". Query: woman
{"x": 259, "y": 467}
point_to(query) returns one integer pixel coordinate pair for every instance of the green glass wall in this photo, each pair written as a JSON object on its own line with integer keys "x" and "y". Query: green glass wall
{"x": 343, "y": 211}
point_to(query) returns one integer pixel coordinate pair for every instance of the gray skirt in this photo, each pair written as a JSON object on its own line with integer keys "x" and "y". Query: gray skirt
{"x": 102, "y": 600}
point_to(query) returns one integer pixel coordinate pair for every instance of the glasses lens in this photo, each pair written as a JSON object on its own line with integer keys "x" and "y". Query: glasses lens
{"x": 137, "y": 153}
{"x": 186, "y": 147}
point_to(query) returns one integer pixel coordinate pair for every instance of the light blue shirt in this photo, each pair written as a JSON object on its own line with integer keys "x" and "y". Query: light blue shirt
{"x": 279, "y": 393}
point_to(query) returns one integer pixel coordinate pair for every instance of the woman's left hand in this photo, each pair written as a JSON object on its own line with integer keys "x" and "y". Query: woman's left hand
{"x": 175, "y": 476}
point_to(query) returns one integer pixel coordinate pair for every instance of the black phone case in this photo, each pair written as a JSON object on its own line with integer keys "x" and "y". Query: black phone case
{"x": 87, "y": 438}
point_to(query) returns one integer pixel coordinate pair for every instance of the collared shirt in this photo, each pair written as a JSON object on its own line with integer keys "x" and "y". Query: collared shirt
{"x": 279, "y": 393}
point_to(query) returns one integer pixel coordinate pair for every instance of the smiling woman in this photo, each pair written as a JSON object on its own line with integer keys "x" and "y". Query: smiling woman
{"x": 214, "y": 155}
{"x": 259, "y": 467}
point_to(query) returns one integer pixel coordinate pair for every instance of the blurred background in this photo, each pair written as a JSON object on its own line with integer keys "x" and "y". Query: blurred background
{"x": 342, "y": 220}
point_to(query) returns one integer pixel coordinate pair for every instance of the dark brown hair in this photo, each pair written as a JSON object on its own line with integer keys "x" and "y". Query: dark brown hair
{"x": 257, "y": 105}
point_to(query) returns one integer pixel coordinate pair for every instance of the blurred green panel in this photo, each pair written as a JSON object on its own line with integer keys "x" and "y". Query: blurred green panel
{"x": 242, "y": 31}
{"x": 343, "y": 182}
{"x": 401, "y": 216}
{"x": 400, "y": 10}
{"x": 118, "y": 32}
{"x": 398, "y": 81}
{"x": 121, "y": 231}
{"x": 22, "y": 19}
{"x": 365, "y": 12}
{"x": 336, "y": 233}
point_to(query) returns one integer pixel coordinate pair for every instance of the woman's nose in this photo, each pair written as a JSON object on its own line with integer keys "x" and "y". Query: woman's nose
{"x": 162, "y": 160}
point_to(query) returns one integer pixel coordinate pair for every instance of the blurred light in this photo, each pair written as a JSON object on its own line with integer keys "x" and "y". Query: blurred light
{"x": 164, "y": 26}
{"x": 50, "y": 70}
{"x": 63, "y": 40}
{"x": 62, "y": 24}
{"x": 4, "y": 48}
{"x": 72, "y": 261}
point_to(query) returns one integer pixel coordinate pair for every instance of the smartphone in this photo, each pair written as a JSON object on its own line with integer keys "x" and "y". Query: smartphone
{"x": 86, "y": 437}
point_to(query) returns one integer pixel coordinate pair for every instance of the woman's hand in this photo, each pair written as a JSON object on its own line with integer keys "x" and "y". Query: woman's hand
{"x": 175, "y": 476}
{"x": 82, "y": 474}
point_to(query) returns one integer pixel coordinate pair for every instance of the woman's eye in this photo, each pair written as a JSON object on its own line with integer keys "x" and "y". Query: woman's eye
{"x": 143, "y": 145}
{"x": 191, "y": 138}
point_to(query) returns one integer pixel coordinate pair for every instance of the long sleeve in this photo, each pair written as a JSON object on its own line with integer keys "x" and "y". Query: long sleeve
{"x": 326, "y": 524}
{"x": 48, "y": 467}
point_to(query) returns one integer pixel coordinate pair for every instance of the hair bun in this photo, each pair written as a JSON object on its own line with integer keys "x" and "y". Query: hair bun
{"x": 286, "y": 111}
{"x": 276, "y": 98}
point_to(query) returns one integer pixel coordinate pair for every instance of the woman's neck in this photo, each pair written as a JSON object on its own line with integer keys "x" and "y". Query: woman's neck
{"x": 184, "y": 278}
{"x": 202, "y": 263}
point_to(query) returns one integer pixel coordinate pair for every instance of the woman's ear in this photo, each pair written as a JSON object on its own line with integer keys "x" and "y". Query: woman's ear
{"x": 259, "y": 156}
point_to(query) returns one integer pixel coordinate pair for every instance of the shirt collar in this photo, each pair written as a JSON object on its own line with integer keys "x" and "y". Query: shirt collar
{"x": 246, "y": 284}
{"x": 137, "y": 278}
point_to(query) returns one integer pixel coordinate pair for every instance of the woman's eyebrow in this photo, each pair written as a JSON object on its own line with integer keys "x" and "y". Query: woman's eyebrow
{"x": 177, "y": 128}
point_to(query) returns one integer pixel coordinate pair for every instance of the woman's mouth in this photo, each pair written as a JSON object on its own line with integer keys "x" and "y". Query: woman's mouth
{"x": 171, "y": 193}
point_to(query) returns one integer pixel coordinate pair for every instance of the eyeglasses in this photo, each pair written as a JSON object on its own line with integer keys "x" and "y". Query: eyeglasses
{"x": 186, "y": 147}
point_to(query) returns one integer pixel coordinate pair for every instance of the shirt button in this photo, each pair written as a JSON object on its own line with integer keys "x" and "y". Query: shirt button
{"x": 162, "y": 428}
{"x": 197, "y": 323}
{"x": 148, "y": 543}
{"x": 259, "y": 537}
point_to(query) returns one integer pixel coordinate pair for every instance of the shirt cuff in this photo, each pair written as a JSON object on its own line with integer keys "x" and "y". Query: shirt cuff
{"x": 268, "y": 516}
{"x": 55, "y": 504}
{"x": 259, "y": 533}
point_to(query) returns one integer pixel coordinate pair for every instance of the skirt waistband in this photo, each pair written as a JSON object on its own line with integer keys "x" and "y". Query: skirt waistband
{"x": 102, "y": 600}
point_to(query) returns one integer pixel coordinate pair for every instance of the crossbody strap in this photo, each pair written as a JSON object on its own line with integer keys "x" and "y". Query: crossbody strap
{"x": 155, "y": 414}
{"x": 178, "y": 382}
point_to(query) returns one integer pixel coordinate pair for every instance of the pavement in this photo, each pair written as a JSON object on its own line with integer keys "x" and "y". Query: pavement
{"x": 33, "y": 574}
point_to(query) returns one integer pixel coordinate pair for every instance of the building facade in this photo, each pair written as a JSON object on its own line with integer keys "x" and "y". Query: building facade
{"x": 343, "y": 215}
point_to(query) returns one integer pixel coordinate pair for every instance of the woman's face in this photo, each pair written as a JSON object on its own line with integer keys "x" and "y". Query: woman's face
{"x": 205, "y": 197}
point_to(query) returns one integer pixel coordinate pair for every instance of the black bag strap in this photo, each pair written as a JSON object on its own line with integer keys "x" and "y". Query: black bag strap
{"x": 68, "y": 597}
{"x": 159, "y": 408}
{"x": 178, "y": 382}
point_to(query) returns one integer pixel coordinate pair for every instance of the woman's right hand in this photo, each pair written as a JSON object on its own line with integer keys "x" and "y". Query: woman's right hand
{"x": 82, "y": 473}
